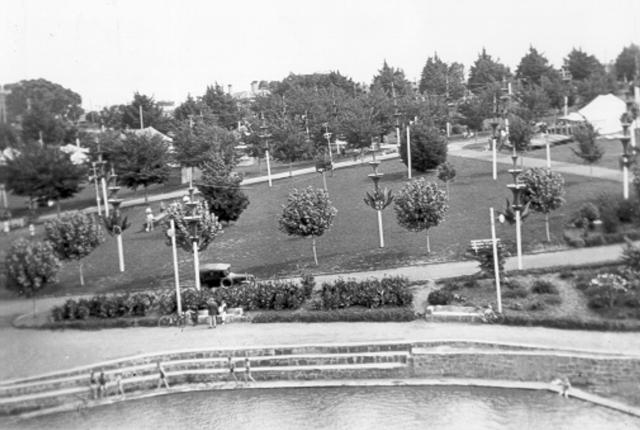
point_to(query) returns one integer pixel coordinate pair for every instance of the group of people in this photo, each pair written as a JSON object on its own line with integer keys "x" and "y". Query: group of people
{"x": 98, "y": 385}
{"x": 232, "y": 370}
{"x": 217, "y": 311}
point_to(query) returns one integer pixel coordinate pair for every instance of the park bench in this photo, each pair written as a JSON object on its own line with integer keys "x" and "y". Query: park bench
{"x": 479, "y": 244}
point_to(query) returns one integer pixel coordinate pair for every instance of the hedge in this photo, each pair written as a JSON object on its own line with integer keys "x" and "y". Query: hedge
{"x": 369, "y": 293}
{"x": 569, "y": 323}
{"x": 353, "y": 314}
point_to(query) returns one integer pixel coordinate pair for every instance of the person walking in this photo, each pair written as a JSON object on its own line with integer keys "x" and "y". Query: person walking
{"x": 162, "y": 376}
{"x": 149, "y": 217}
{"x": 213, "y": 313}
{"x": 119, "y": 387}
{"x": 93, "y": 385}
{"x": 232, "y": 370}
{"x": 223, "y": 312}
{"x": 102, "y": 390}
{"x": 247, "y": 370}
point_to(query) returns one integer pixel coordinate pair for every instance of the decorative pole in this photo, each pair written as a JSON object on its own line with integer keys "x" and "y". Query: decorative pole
{"x": 496, "y": 264}
{"x": 628, "y": 153}
{"x": 517, "y": 188}
{"x": 176, "y": 271}
{"x": 409, "y": 150}
{"x": 380, "y": 199}
{"x": 117, "y": 225}
{"x": 264, "y": 136}
{"x": 193, "y": 220}
{"x": 494, "y": 149}
{"x": 396, "y": 114}
{"x": 94, "y": 177}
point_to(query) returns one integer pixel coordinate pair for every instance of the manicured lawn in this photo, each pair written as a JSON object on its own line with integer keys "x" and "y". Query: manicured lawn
{"x": 610, "y": 159}
{"x": 254, "y": 244}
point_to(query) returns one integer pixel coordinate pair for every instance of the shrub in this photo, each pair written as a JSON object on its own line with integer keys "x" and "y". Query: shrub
{"x": 566, "y": 274}
{"x": 568, "y": 323}
{"x": 605, "y": 289}
{"x": 607, "y": 205}
{"x": 370, "y": 293}
{"x": 631, "y": 256}
{"x": 589, "y": 212}
{"x": 514, "y": 289}
{"x": 553, "y": 300}
{"x": 536, "y": 305}
{"x": 352, "y": 314}
{"x": 627, "y": 210}
{"x": 542, "y": 286}
{"x": 441, "y": 296}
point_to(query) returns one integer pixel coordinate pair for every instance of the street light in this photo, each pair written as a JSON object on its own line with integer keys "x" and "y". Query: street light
{"x": 117, "y": 224}
{"x": 380, "y": 199}
{"x": 193, "y": 221}
{"x": 519, "y": 210}
{"x": 628, "y": 155}
{"x": 264, "y": 136}
{"x": 566, "y": 77}
{"x": 495, "y": 121}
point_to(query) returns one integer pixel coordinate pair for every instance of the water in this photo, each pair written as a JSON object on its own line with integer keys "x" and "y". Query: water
{"x": 345, "y": 408}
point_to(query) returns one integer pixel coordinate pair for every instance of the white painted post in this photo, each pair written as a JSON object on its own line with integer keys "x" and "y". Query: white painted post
{"x": 398, "y": 136}
{"x": 120, "y": 252}
{"x": 141, "y": 117}
{"x": 104, "y": 195}
{"x": 519, "y": 239}
{"x": 548, "y": 156}
{"x": 266, "y": 155}
{"x": 495, "y": 158}
{"x": 380, "y": 233}
{"x": 625, "y": 182}
{"x": 408, "y": 151}
{"x": 196, "y": 264}
{"x": 566, "y": 105}
{"x": 496, "y": 264}
{"x": 176, "y": 271}
{"x": 97, "y": 187}
{"x": 448, "y": 129}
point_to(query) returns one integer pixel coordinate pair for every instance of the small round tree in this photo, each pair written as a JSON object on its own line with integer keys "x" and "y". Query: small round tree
{"x": 221, "y": 189}
{"x": 446, "y": 173}
{"x": 588, "y": 149}
{"x": 207, "y": 227}
{"x": 308, "y": 213}
{"x": 428, "y": 148}
{"x": 74, "y": 236}
{"x": 420, "y": 205}
{"x": 30, "y": 267}
{"x": 544, "y": 192}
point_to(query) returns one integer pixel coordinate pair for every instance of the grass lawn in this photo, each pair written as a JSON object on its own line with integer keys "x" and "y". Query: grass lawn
{"x": 254, "y": 244}
{"x": 610, "y": 159}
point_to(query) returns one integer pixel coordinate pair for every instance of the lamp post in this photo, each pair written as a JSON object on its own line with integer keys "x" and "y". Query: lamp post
{"x": 264, "y": 136}
{"x": 193, "y": 220}
{"x": 408, "y": 149}
{"x": 380, "y": 199}
{"x": 118, "y": 224}
{"x": 566, "y": 77}
{"x": 628, "y": 153}
{"x": 496, "y": 263}
{"x": 396, "y": 114}
{"x": 495, "y": 121}
{"x": 517, "y": 188}
{"x": 94, "y": 178}
{"x": 176, "y": 270}
{"x": 327, "y": 135}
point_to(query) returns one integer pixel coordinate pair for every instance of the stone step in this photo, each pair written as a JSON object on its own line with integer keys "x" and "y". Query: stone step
{"x": 206, "y": 363}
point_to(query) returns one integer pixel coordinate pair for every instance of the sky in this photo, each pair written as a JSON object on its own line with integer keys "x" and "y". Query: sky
{"x": 106, "y": 50}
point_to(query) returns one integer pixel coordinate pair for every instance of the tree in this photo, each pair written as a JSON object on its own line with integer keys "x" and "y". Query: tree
{"x": 360, "y": 123}
{"x": 222, "y": 106}
{"x": 627, "y": 62}
{"x": 389, "y": 75}
{"x": 194, "y": 139}
{"x": 588, "y": 148}
{"x": 544, "y": 191}
{"x": 141, "y": 160}
{"x": 533, "y": 66}
{"x": 221, "y": 189}
{"x": 30, "y": 267}
{"x": 54, "y": 99}
{"x": 207, "y": 226}
{"x": 308, "y": 213}
{"x": 188, "y": 109}
{"x": 428, "y": 147}
{"x": 486, "y": 71}
{"x": 8, "y": 136}
{"x": 520, "y": 133}
{"x": 152, "y": 114}
{"x": 44, "y": 172}
{"x": 582, "y": 65}
{"x": 533, "y": 102}
{"x": 420, "y": 205}
{"x": 439, "y": 78}
{"x": 74, "y": 236}
{"x": 446, "y": 173}
{"x": 291, "y": 144}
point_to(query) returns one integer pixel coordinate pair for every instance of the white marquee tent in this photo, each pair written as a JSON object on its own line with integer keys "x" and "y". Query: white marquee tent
{"x": 603, "y": 113}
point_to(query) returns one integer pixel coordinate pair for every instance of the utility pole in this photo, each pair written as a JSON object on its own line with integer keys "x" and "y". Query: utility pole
{"x": 3, "y": 103}
{"x": 141, "y": 117}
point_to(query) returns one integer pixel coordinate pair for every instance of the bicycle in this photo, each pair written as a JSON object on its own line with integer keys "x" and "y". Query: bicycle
{"x": 175, "y": 319}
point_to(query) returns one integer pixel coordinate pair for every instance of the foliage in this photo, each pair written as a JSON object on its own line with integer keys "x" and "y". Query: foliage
{"x": 115, "y": 223}
{"x": 44, "y": 172}
{"x": 446, "y": 172}
{"x": 439, "y": 78}
{"x": 152, "y": 114}
{"x": 485, "y": 258}
{"x": 75, "y": 235}
{"x": 532, "y": 67}
{"x": 589, "y": 212}
{"x": 441, "y": 296}
{"x": 485, "y": 71}
{"x": 291, "y": 144}
{"x": 221, "y": 189}
{"x": 636, "y": 179}
{"x": 195, "y": 138}
{"x": 347, "y": 315}
{"x": 567, "y": 323}
{"x": 206, "y": 224}
{"x": 380, "y": 199}
{"x": 362, "y": 118}
{"x": 141, "y": 160}
{"x": 428, "y": 147}
{"x": 604, "y": 289}
{"x": 582, "y": 65}
{"x": 370, "y": 293}
{"x": 631, "y": 256}
{"x": 626, "y": 62}
{"x": 221, "y": 105}
{"x": 608, "y": 205}
{"x": 308, "y": 212}
{"x": 544, "y": 192}
{"x": 542, "y": 286}
{"x": 588, "y": 148}
{"x": 420, "y": 205}
{"x": 520, "y": 133}
{"x": 389, "y": 75}
{"x": 265, "y": 295}
{"x": 30, "y": 266}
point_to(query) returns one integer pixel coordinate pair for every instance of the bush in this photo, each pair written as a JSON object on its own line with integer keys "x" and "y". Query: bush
{"x": 370, "y": 293}
{"x": 440, "y": 297}
{"x": 607, "y": 205}
{"x": 627, "y": 210}
{"x": 428, "y": 147}
{"x": 553, "y": 300}
{"x": 566, "y": 274}
{"x": 605, "y": 289}
{"x": 589, "y": 212}
{"x": 514, "y": 289}
{"x": 352, "y": 314}
{"x": 568, "y": 323}
{"x": 542, "y": 286}
{"x": 631, "y": 256}
{"x": 536, "y": 305}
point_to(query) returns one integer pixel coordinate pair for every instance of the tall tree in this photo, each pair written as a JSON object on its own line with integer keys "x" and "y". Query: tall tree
{"x": 628, "y": 62}
{"x": 194, "y": 138}
{"x": 532, "y": 67}
{"x": 588, "y": 148}
{"x": 361, "y": 119}
{"x": 439, "y": 78}
{"x": 388, "y": 75}
{"x": 290, "y": 144}
{"x": 428, "y": 147}
{"x": 152, "y": 114}
{"x": 141, "y": 160}
{"x": 221, "y": 188}
{"x": 485, "y": 71}
{"x": 222, "y": 106}
{"x": 188, "y": 109}
{"x": 544, "y": 192}
{"x": 74, "y": 236}
{"x": 420, "y": 205}
{"x": 308, "y": 213}
{"x": 50, "y": 97}
{"x": 44, "y": 172}
{"x": 582, "y": 65}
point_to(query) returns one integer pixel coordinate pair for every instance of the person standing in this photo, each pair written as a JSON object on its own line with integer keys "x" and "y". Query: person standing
{"x": 93, "y": 384}
{"x": 149, "y": 226}
{"x": 223, "y": 312}
{"x": 102, "y": 390}
{"x": 232, "y": 369}
{"x": 119, "y": 387}
{"x": 162, "y": 376}
{"x": 213, "y": 313}
{"x": 247, "y": 370}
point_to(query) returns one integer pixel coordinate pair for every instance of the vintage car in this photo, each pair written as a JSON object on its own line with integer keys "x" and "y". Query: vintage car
{"x": 214, "y": 275}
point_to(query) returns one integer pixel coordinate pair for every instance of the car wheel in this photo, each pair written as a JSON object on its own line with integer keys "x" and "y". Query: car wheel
{"x": 226, "y": 282}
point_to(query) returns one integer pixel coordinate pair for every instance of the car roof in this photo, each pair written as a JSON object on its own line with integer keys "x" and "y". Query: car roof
{"x": 215, "y": 266}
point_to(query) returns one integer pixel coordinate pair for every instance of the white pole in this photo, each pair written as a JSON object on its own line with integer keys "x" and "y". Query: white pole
{"x": 408, "y": 151}
{"x": 104, "y": 195}
{"x": 176, "y": 272}
{"x": 566, "y": 105}
{"x": 495, "y": 158}
{"x": 448, "y": 129}
{"x": 625, "y": 182}
{"x": 519, "y": 239}
{"x": 548, "y": 156}
{"x": 120, "y": 252}
{"x": 196, "y": 264}
{"x": 141, "y": 117}
{"x": 509, "y": 87}
{"x": 496, "y": 264}
{"x": 97, "y": 187}
{"x": 380, "y": 232}
{"x": 398, "y": 135}
{"x": 324, "y": 181}
{"x": 266, "y": 155}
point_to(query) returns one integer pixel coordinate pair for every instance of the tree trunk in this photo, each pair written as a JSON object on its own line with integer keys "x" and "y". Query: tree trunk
{"x": 428, "y": 244}
{"x": 546, "y": 225}
{"x": 81, "y": 273}
{"x": 313, "y": 246}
